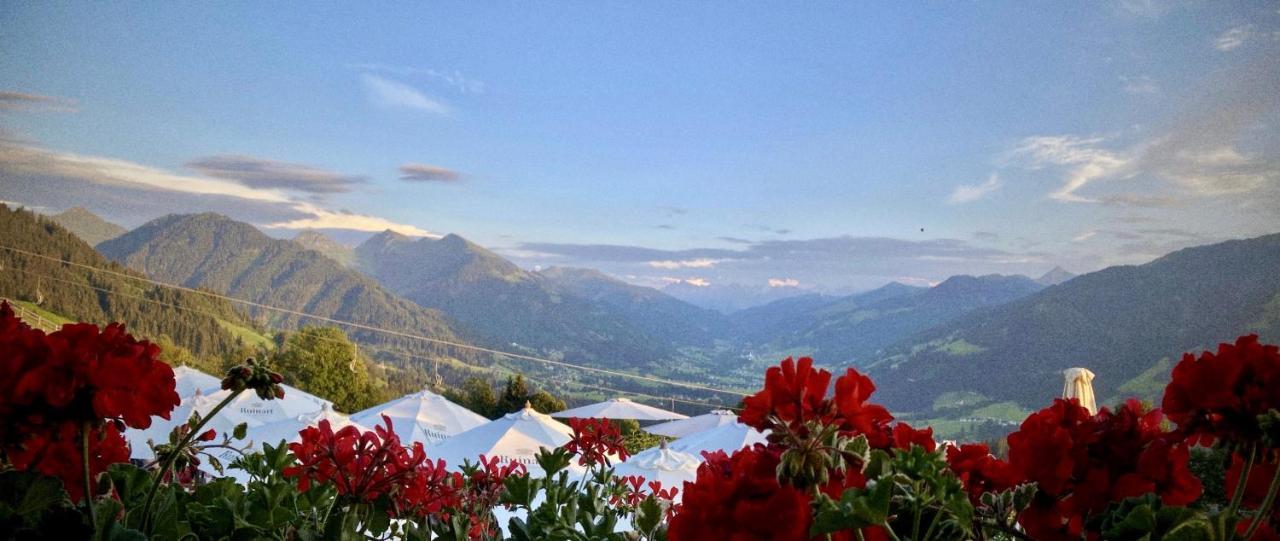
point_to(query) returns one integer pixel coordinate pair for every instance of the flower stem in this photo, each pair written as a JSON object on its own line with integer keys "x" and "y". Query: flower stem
{"x": 1238, "y": 496}
{"x": 173, "y": 455}
{"x": 88, "y": 484}
{"x": 1264, "y": 509}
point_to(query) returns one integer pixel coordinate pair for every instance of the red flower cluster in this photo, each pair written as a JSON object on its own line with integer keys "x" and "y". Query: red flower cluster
{"x": 362, "y": 466}
{"x": 1083, "y": 462}
{"x": 595, "y": 440}
{"x": 429, "y": 490}
{"x": 739, "y": 498}
{"x": 633, "y": 495}
{"x": 980, "y": 471}
{"x": 481, "y": 493}
{"x": 53, "y": 385}
{"x": 57, "y": 453}
{"x": 795, "y": 393}
{"x": 1220, "y": 396}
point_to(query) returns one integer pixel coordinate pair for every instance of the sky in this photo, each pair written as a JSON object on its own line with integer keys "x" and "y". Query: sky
{"x": 827, "y": 146}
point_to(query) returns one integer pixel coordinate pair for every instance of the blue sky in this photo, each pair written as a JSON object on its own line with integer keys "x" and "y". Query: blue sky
{"x": 835, "y": 146}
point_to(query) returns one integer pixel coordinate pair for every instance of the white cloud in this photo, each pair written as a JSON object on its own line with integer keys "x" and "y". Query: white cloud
{"x": 1088, "y": 159}
{"x": 784, "y": 282}
{"x": 388, "y": 93}
{"x": 1232, "y": 39}
{"x": 1084, "y": 236}
{"x": 327, "y": 219}
{"x": 454, "y": 78}
{"x": 697, "y": 282}
{"x": 966, "y": 193}
{"x": 700, "y": 263}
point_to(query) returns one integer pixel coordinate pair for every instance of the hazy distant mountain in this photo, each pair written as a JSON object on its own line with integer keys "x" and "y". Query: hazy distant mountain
{"x": 1127, "y": 324}
{"x": 729, "y": 298}
{"x": 214, "y": 252}
{"x": 505, "y": 305}
{"x": 852, "y": 329}
{"x": 1054, "y": 277}
{"x": 197, "y": 322}
{"x": 653, "y": 312}
{"x": 88, "y": 226}
{"x": 315, "y": 240}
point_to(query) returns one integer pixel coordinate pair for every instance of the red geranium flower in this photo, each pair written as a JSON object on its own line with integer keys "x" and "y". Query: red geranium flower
{"x": 1082, "y": 463}
{"x": 904, "y": 436}
{"x": 793, "y": 392}
{"x": 429, "y": 490}
{"x": 980, "y": 471}
{"x": 362, "y": 466}
{"x": 738, "y": 498}
{"x": 595, "y": 440}
{"x": 1220, "y": 396}
{"x": 853, "y": 389}
{"x": 57, "y": 453}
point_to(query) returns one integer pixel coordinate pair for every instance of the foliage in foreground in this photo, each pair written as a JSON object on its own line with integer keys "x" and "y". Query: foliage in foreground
{"x": 836, "y": 466}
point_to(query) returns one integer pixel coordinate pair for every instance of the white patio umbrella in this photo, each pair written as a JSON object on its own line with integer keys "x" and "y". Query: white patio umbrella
{"x": 667, "y": 466}
{"x": 159, "y": 430}
{"x": 423, "y": 416}
{"x": 683, "y": 427}
{"x": 287, "y": 430}
{"x": 514, "y": 437}
{"x": 1079, "y": 385}
{"x": 250, "y": 409}
{"x": 727, "y": 437}
{"x": 619, "y": 408}
{"x": 190, "y": 381}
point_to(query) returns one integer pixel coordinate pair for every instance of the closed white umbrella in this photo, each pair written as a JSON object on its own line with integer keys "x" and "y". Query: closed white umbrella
{"x": 727, "y": 437}
{"x": 683, "y": 427}
{"x": 619, "y": 408}
{"x": 424, "y": 417}
{"x": 191, "y": 381}
{"x": 662, "y": 464}
{"x": 515, "y": 437}
{"x": 287, "y": 430}
{"x": 1079, "y": 385}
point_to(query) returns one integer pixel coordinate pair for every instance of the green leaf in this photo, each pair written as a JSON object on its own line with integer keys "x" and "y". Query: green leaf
{"x": 239, "y": 431}
{"x": 648, "y": 515}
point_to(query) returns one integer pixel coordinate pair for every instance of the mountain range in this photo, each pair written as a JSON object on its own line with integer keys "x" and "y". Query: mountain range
{"x": 88, "y": 226}
{"x": 1127, "y": 324}
{"x": 214, "y": 252}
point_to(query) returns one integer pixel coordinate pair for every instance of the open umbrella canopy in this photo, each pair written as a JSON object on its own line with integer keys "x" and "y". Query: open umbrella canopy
{"x": 191, "y": 381}
{"x": 159, "y": 430}
{"x": 727, "y": 437}
{"x": 250, "y": 409}
{"x": 619, "y": 408}
{"x": 424, "y": 417}
{"x": 286, "y": 430}
{"x": 683, "y": 427}
{"x": 663, "y": 464}
{"x": 515, "y": 437}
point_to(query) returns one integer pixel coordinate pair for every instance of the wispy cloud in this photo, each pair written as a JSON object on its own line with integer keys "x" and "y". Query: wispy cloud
{"x": 23, "y": 101}
{"x": 1086, "y": 159}
{"x": 387, "y": 93}
{"x": 421, "y": 172}
{"x": 967, "y": 193}
{"x": 700, "y": 263}
{"x": 128, "y": 189}
{"x": 263, "y": 173}
{"x": 784, "y": 282}
{"x": 452, "y": 78}
{"x": 1232, "y": 39}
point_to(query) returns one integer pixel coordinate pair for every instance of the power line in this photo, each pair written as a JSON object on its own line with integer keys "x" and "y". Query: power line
{"x": 370, "y": 328}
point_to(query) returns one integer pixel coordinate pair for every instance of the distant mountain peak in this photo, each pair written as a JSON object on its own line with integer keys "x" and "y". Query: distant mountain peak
{"x": 319, "y": 242}
{"x": 1055, "y": 276}
{"x": 90, "y": 227}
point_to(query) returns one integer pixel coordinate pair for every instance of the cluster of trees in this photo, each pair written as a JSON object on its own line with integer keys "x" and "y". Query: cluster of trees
{"x": 481, "y": 397}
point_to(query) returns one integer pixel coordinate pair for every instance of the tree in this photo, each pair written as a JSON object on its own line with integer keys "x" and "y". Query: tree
{"x": 514, "y": 395}
{"x": 544, "y": 402}
{"x": 321, "y": 361}
{"x": 477, "y": 396}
